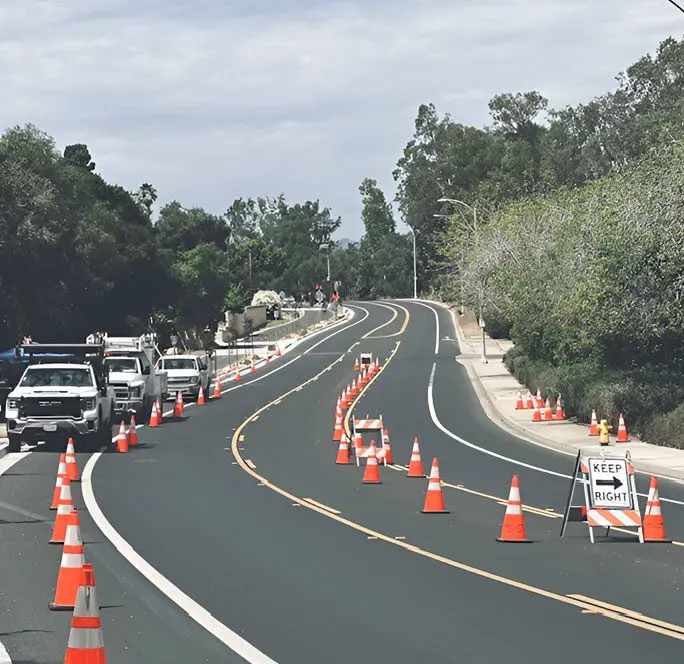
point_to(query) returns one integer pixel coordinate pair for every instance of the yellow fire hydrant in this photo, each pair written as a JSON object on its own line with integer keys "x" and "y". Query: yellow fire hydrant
{"x": 604, "y": 428}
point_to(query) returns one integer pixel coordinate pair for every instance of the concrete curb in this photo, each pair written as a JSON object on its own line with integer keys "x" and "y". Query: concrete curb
{"x": 495, "y": 414}
{"x": 286, "y": 345}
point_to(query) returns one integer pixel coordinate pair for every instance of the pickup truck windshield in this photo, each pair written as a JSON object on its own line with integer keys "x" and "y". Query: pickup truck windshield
{"x": 122, "y": 365}
{"x": 183, "y": 363}
{"x": 46, "y": 377}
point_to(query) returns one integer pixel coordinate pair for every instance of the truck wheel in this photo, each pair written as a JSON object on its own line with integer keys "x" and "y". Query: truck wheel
{"x": 14, "y": 442}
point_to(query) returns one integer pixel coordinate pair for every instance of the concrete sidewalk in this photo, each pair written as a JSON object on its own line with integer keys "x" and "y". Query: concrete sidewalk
{"x": 497, "y": 390}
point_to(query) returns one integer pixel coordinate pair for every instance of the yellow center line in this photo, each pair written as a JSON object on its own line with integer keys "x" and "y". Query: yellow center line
{"x": 395, "y": 313}
{"x": 322, "y": 506}
{"x": 403, "y": 327}
{"x": 250, "y": 463}
{"x": 583, "y": 604}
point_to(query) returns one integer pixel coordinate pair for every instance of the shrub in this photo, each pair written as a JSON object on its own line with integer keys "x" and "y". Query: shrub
{"x": 667, "y": 429}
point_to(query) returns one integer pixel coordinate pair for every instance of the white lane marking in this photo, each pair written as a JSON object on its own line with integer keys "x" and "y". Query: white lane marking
{"x": 434, "y": 311}
{"x": 192, "y": 608}
{"x": 309, "y": 336}
{"x": 308, "y": 350}
{"x": 438, "y": 424}
{"x": 5, "y": 464}
{"x": 501, "y": 457}
{"x": 199, "y": 614}
{"x": 282, "y": 366}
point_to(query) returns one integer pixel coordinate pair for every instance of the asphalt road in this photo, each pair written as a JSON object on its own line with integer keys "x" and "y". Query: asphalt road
{"x": 359, "y": 574}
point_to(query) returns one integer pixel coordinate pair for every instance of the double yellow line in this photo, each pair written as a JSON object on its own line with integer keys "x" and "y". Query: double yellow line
{"x": 395, "y": 313}
{"x": 587, "y": 605}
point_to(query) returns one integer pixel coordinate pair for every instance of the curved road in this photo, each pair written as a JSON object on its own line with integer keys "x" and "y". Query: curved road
{"x": 246, "y": 537}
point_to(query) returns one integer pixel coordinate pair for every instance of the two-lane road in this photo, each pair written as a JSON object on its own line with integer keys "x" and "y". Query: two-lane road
{"x": 248, "y": 538}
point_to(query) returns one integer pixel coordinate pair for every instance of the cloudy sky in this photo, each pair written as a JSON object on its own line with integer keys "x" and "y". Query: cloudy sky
{"x": 210, "y": 100}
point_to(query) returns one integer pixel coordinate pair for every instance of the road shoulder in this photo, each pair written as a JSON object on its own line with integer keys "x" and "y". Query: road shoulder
{"x": 497, "y": 391}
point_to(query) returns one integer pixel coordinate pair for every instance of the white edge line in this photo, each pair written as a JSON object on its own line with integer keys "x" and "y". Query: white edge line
{"x": 5, "y": 464}
{"x": 441, "y": 427}
{"x": 199, "y": 614}
{"x": 434, "y": 311}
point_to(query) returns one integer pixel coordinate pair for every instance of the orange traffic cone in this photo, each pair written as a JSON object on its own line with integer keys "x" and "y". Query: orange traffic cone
{"x": 86, "y": 645}
{"x": 371, "y": 475}
{"x": 519, "y": 404}
{"x": 560, "y": 413}
{"x": 386, "y": 446}
{"x": 622, "y": 436}
{"x": 358, "y": 445}
{"x": 64, "y": 507}
{"x": 356, "y": 364}
{"x": 278, "y": 352}
{"x": 70, "y": 460}
{"x": 200, "y": 397}
{"x": 122, "y": 439}
{"x": 61, "y": 473}
{"x": 529, "y": 405}
{"x": 593, "y": 428}
{"x": 538, "y": 399}
{"x": 238, "y": 375}
{"x": 132, "y": 432}
{"x": 548, "y": 413}
{"x": 434, "y": 499}
{"x": 252, "y": 369}
{"x": 513, "y": 528}
{"x": 654, "y": 528}
{"x": 217, "y": 390}
{"x": 416, "y": 464}
{"x": 354, "y": 388}
{"x": 71, "y": 568}
{"x": 343, "y": 451}
{"x": 536, "y": 414}
{"x": 155, "y": 419}
{"x": 339, "y": 428}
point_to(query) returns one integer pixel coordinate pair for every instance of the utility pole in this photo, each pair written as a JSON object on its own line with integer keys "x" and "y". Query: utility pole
{"x": 473, "y": 209}
{"x": 415, "y": 267}
{"x": 250, "y": 270}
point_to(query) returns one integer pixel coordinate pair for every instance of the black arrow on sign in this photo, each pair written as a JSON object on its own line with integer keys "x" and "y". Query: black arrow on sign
{"x": 615, "y": 483}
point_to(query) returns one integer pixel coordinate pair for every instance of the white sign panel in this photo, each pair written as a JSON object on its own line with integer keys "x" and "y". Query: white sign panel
{"x": 609, "y": 483}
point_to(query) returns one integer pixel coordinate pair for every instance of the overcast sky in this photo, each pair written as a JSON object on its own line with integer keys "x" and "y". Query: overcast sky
{"x": 210, "y": 100}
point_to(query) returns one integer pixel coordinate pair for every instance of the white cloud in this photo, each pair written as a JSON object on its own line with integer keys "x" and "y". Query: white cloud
{"x": 210, "y": 102}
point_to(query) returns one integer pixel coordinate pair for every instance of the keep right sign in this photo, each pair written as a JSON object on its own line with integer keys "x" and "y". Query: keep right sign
{"x": 609, "y": 483}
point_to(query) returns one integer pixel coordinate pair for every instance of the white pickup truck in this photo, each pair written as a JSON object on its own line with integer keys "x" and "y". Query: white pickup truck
{"x": 137, "y": 383}
{"x": 62, "y": 393}
{"x": 187, "y": 372}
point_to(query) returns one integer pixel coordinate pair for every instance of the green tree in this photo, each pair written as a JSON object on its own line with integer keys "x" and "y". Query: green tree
{"x": 79, "y": 155}
{"x": 376, "y": 213}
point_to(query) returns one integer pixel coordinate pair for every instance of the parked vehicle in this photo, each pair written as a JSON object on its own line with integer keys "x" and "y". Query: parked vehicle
{"x": 187, "y": 373}
{"x": 63, "y": 392}
{"x": 137, "y": 383}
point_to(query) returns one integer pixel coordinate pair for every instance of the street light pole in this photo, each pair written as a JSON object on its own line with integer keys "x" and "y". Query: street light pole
{"x": 415, "y": 267}
{"x": 473, "y": 209}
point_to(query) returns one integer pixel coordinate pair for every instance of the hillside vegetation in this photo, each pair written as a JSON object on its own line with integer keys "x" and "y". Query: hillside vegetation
{"x": 569, "y": 236}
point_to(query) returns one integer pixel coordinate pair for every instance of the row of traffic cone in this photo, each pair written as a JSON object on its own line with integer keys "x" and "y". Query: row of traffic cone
{"x": 252, "y": 367}
{"x": 513, "y": 526}
{"x": 622, "y": 435}
{"x": 542, "y": 410}
{"x": 75, "y": 588}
